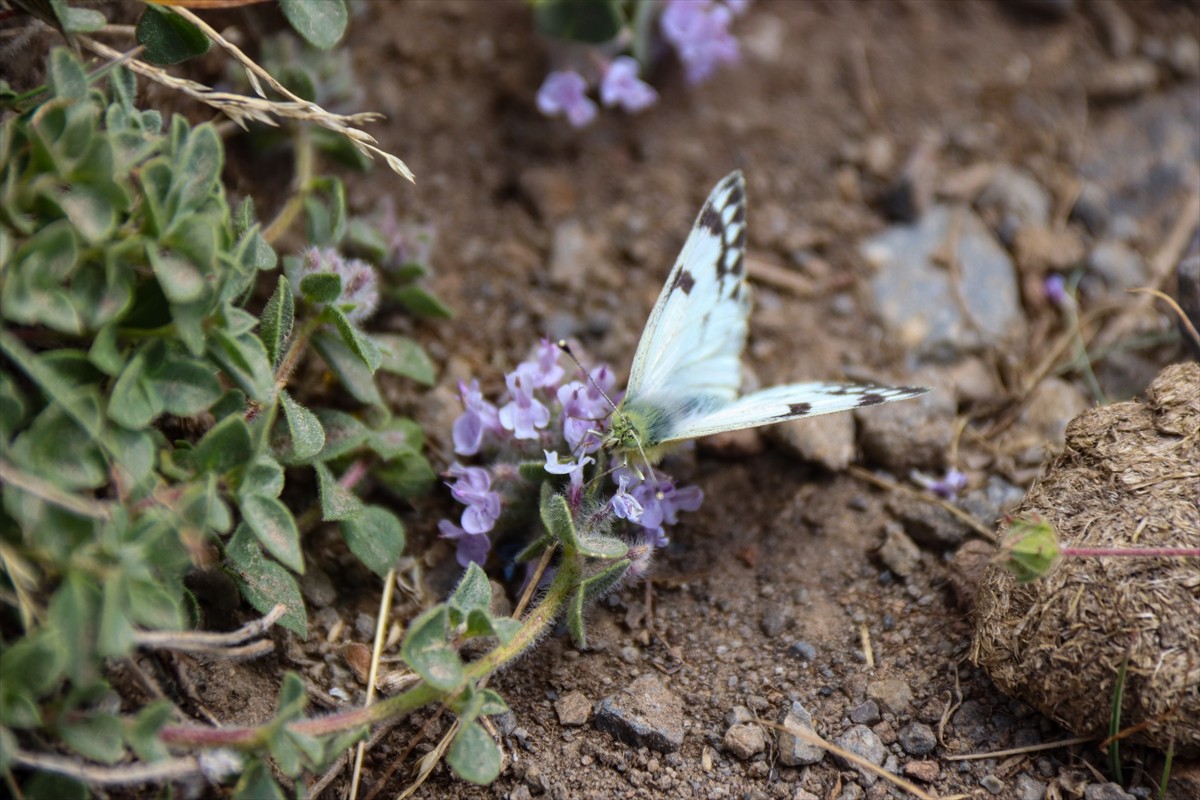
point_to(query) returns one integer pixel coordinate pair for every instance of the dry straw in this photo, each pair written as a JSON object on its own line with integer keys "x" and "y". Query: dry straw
{"x": 1129, "y": 477}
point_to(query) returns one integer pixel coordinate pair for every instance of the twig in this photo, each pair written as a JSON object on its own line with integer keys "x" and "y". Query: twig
{"x": 1033, "y": 748}
{"x": 385, "y": 604}
{"x": 44, "y": 490}
{"x": 211, "y": 643}
{"x": 126, "y": 775}
{"x": 1166, "y": 298}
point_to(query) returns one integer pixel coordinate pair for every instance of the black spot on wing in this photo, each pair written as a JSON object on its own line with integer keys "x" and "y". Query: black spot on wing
{"x": 710, "y": 220}
{"x": 871, "y": 399}
{"x": 735, "y": 195}
{"x": 798, "y": 410}
{"x": 684, "y": 281}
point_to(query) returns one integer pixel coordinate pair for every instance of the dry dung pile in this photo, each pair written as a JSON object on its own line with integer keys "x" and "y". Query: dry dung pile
{"x": 1129, "y": 477}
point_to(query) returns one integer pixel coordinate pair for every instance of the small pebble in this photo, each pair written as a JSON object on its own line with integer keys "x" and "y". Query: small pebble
{"x": 803, "y": 650}
{"x": 992, "y": 784}
{"x": 917, "y": 739}
{"x": 744, "y": 741}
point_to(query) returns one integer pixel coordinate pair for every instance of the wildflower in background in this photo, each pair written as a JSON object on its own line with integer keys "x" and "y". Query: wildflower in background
{"x": 699, "y": 32}
{"x": 947, "y": 488}
{"x": 566, "y": 93}
{"x": 572, "y": 468}
{"x": 621, "y": 86}
{"x": 469, "y": 546}
{"x": 524, "y": 414}
{"x": 479, "y": 418}
{"x": 408, "y": 242}
{"x": 546, "y": 372}
{"x": 473, "y": 488}
{"x": 1055, "y": 288}
{"x": 582, "y": 408}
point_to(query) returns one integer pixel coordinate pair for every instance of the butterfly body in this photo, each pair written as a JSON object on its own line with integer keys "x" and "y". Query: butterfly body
{"x": 687, "y": 370}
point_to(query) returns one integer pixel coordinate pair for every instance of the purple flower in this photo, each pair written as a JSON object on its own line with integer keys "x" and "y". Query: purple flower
{"x": 566, "y": 93}
{"x": 545, "y": 370}
{"x": 624, "y": 504}
{"x": 621, "y": 86}
{"x": 737, "y": 6}
{"x": 659, "y": 511}
{"x": 584, "y": 412}
{"x": 1055, "y": 288}
{"x": 524, "y": 414}
{"x": 470, "y": 546}
{"x": 473, "y": 488}
{"x": 480, "y": 417}
{"x": 946, "y": 488}
{"x": 572, "y": 468}
{"x": 408, "y": 242}
{"x": 699, "y": 32}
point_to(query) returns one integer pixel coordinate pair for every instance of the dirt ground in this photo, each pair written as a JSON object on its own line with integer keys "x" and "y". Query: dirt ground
{"x": 773, "y": 591}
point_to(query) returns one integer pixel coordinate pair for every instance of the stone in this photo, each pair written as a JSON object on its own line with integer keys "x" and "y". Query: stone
{"x": 794, "y": 751}
{"x": 830, "y": 443}
{"x": 643, "y": 714}
{"x": 1030, "y": 788}
{"x": 744, "y": 741}
{"x": 1119, "y": 265}
{"x": 918, "y": 300}
{"x": 1052, "y": 404}
{"x": 865, "y": 713}
{"x": 1014, "y": 193}
{"x": 573, "y": 709}
{"x": 917, "y": 739}
{"x": 862, "y": 741}
{"x": 899, "y": 553}
{"x": 924, "y": 771}
{"x": 891, "y": 693}
{"x": 1106, "y": 791}
{"x": 1122, "y": 80}
{"x": 776, "y": 619}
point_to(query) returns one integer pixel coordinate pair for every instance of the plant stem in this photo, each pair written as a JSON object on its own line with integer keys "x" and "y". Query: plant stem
{"x": 1131, "y": 552}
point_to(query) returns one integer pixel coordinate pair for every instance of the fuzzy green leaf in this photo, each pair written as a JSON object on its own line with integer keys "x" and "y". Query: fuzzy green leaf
{"x": 256, "y": 783}
{"x": 473, "y": 755}
{"x": 307, "y": 435}
{"x": 348, "y": 367}
{"x": 265, "y": 583}
{"x": 575, "y": 620}
{"x": 556, "y": 517}
{"x": 590, "y": 21}
{"x": 397, "y": 438}
{"x": 321, "y": 287}
{"x": 277, "y": 319}
{"x": 95, "y": 736}
{"x": 142, "y": 731}
{"x": 426, "y": 650}
{"x": 320, "y": 22}
{"x": 403, "y": 356}
{"x": 605, "y": 581}
{"x": 344, "y": 433}
{"x": 407, "y": 476}
{"x": 168, "y": 37}
{"x": 358, "y": 341}
{"x": 422, "y": 302}
{"x": 67, "y": 78}
{"x": 376, "y": 537}
{"x": 185, "y": 386}
{"x": 245, "y": 360}
{"x": 223, "y": 448}
{"x": 275, "y": 528}
{"x": 473, "y": 591}
{"x": 493, "y": 703}
{"x": 606, "y": 547}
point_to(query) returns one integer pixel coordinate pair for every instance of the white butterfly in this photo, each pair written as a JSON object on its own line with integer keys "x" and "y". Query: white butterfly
{"x": 685, "y": 375}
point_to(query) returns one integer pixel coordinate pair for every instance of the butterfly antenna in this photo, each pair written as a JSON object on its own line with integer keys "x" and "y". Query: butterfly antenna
{"x": 566, "y": 348}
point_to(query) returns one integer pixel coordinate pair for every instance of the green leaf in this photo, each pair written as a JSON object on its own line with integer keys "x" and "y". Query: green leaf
{"x": 556, "y": 517}
{"x": 590, "y": 21}
{"x": 104, "y": 352}
{"x": 397, "y": 438}
{"x": 67, "y": 78}
{"x": 265, "y": 583}
{"x": 153, "y": 605}
{"x": 376, "y": 537}
{"x": 406, "y": 477}
{"x": 185, "y": 386}
{"x": 180, "y": 279}
{"x": 358, "y": 341}
{"x": 277, "y": 319}
{"x": 575, "y": 620}
{"x": 142, "y": 731}
{"x": 426, "y": 650}
{"x": 326, "y": 220}
{"x": 597, "y": 546}
{"x": 244, "y": 360}
{"x": 168, "y": 37}
{"x": 256, "y": 783}
{"x": 198, "y": 168}
{"x": 82, "y": 20}
{"x": 473, "y": 755}
{"x": 308, "y": 437}
{"x": 344, "y": 433}
{"x": 321, "y": 287}
{"x": 116, "y": 629}
{"x": 493, "y": 703}
{"x": 337, "y": 502}
{"x": 422, "y": 302}
{"x": 12, "y": 408}
{"x": 403, "y": 356}
{"x": 134, "y": 402}
{"x": 95, "y": 736}
{"x": 473, "y": 591}
{"x": 29, "y": 668}
{"x": 605, "y": 581}
{"x": 223, "y": 448}
{"x": 320, "y": 22}
{"x": 243, "y": 217}
{"x": 275, "y": 528}
{"x": 292, "y": 698}
{"x": 60, "y": 448}
{"x": 75, "y": 613}
{"x": 348, "y": 367}
{"x": 48, "y": 786}
{"x": 91, "y": 210}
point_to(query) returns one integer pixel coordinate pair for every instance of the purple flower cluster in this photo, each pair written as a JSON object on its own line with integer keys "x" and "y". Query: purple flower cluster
{"x": 565, "y": 92}
{"x": 407, "y": 242}
{"x": 543, "y": 414}
{"x": 947, "y": 488}
{"x": 699, "y": 32}
{"x": 360, "y": 283}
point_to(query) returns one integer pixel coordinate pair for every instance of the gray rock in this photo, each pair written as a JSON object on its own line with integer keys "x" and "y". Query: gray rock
{"x": 744, "y": 741}
{"x": 865, "y": 713}
{"x": 927, "y": 524}
{"x": 916, "y": 298}
{"x": 1106, "y": 791}
{"x": 776, "y": 619}
{"x": 803, "y": 650}
{"x": 863, "y": 742}
{"x": 992, "y": 784}
{"x": 1091, "y": 209}
{"x": 1183, "y": 56}
{"x": 1187, "y": 276}
{"x": 1014, "y": 194}
{"x": 738, "y": 715}
{"x": 794, "y": 751}
{"x": 1118, "y": 264}
{"x": 1120, "y": 34}
{"x": 911, "y": 435}
{"x": 573, "y": 709}
{"x": 1053, "y": 403}
{"x": 1030, "y": 788}
{"x": 917, "y": 739}
{"x": 899, "y": 553}
{"x": 993, "y": 500}
{"x": 643, "y": 714}
{"x": 830, "y": 443}
{"x": 891, "y": 693}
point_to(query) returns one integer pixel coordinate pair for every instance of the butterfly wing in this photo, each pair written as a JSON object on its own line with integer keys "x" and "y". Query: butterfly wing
{"x": 780, "y": 403}
{"x": 692, "y": 344}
